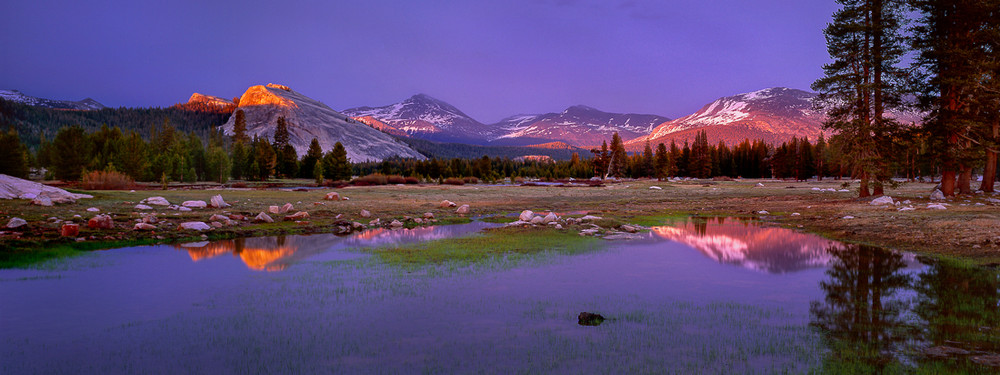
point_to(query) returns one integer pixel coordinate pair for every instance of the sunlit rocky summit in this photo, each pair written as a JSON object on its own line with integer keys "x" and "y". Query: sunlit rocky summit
{"x": 308, "y": 119}
{"x": 579, "y": 125}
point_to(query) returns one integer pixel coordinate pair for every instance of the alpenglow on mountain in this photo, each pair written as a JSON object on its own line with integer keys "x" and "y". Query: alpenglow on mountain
{"x": 579, "y": 126}
{"x": 424, "y": 117}
{"x": 87, "y": 104}
{"x": 774, "y": 115}
{"x": 308, "y": 119}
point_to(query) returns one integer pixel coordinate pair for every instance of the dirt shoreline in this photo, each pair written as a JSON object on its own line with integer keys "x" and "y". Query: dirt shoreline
{"x": 968, "y": 229}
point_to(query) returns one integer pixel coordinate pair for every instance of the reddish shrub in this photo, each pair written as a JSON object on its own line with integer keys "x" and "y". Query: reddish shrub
{"x": 101, "y": 180}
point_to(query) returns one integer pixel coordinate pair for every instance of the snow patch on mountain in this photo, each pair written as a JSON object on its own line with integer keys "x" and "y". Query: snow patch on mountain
{"x": 87, "y": 104}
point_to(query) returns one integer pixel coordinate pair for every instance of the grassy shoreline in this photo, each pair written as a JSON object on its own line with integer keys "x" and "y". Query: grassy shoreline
{"x": 964, "y": 230}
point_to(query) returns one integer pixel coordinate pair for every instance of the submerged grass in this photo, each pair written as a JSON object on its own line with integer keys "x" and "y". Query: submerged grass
{"x": 510, "y": 243}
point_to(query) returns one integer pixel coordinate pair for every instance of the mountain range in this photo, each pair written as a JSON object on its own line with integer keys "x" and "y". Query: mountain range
{"x": 372, "y": 133}
{"x": 19, "y": 97}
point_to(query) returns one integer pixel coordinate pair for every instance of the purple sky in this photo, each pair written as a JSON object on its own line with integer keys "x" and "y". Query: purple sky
{"x": 489, "y": 58}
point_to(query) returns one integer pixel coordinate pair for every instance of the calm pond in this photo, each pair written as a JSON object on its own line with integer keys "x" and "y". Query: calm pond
{"x": 692, "y": 296}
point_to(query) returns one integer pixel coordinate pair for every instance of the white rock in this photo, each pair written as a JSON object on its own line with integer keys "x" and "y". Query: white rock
{"x": 537, "y": 220}
{"x": 526, "y": 215}
{"x": 366, "y": 213}
{"x": 517, "y": 223}
{"x": 17, "y": 188}
{"x": 763, "y": 212}
{"x": 907, "y": 202}
{"x": 143, "y": 226}
{"x": 760, "y": 184}
{"x": 395, "y": 224}
{"x": 142, "y": 207}
{"x": 796, "y": 214}
{"x": 558, "y": 226}
{"x": 844, "y": 191}
{"x": 550, "y": 218}
{"x": 274, "y": 209}
{"x": 447, "y": 203}
{"x": 263, "y": 218}
{"x": 906, "y": 208}
{"x": 655, "y": 188}
{"x": 937, "y": 195}
{"x": 156, "y": 201}
{"x": 42, "y": 200}
{"x": 936, "y": 207}
{"x": 194, "y": 204}
{"x": 848, "y": 217}
{"x": 183, "y": 209}
{"x": 218, "y": 202}
{"x": 464, "y": 209}
{"x": 817, "y": 189}
{"x": 332, "y": 196}
{"x": 93, "y": 209}
{"x": 882, "y": 201}
{"x": 590, "y": 217}
{"x": 16, "y": 222}
{"x": 194, "y": 225}
{"x": 287, "y": 207}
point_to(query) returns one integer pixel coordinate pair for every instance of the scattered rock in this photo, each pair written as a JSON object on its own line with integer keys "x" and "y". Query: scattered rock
{"x": 517, "y": 223}
{"x": 69, "y": 230}
{"x": 447, "y": 203}
{"x": 101, "y": 222}
{"x": 907, "y": 202}
{"x": 287, "y": 207}
{"x": 628, "y": 228}
{"x": 992, "y": 360}
{"x": 589, "y": 231}
{"x": 194, "y": 204}
{"x": 796, "y": 214}
{"x": 216, "y": 224}
{"x": 589, "y": 319}
{"x": 17, "y": 188}
{"x": 16, "y": 222}
{"x": 619, "y": 236}
{"x": 93, "y": 209}
{"x": 297, "y": 216}
{"x": 218, "y": 202}
{"x": 194, "y": 225}
{"x": 263, "y": 218}
{"x": 184, "y": 209}
{"x": 418, "y": 220}
{"x": 237, "y": 217}
{"x": 365, "y": 213}
{"x": 908, "y": 208}
{"x": 42, "y": 200}
{"x": 219, "y": 218}
{"x": 332, "y": 196}
{"x": 655, "y": 188}
{"x": 882, "y": 201}
{"x": 142, "y": 207}
{"x": 526, "y": 215}
{"x": 428, "y": 215}
{"x": 144, "y": 226}
{"x": 760, "y": 184}
{"x": 550, "y": 218}
{"x": 558, "y": 226}
{"x": 537, "y": 220}
{"x": 848, "y": 217}
{"x": 762, "y": 212}
{"x": 590, "y": 217}
{"x": 945, "y": 351}
{"x": 377, "y": 221}
{"x": 937, "y": 195}
{"x": 936, "y": 207}
{"x": 396, "y": 224}
{"x": 464, "y": 209}
{"x": 274, "y": 209}
{"x": 149, "y": 219}
{"x": 156, "y": 201}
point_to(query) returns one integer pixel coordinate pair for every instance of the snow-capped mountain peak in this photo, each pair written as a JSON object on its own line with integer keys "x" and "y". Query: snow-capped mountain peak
{"x": 426, "y": 117}
{"x": 19, "y": 97}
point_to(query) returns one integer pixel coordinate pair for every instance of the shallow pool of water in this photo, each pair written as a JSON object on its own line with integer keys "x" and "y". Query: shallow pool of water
{"x": 709, "y": 296}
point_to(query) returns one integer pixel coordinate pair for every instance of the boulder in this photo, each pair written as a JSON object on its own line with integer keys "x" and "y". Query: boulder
{"x": 589, "y": 319}
{"x": 936, "y": 207}
{"x": 366, "y": 213}
{"x": 377, "y": 221}
{"x": 428, "y": 215}
{"x": 937, "y": 195}
{"x": 332, "y": 196}
{"x": 18, "y": 188}
{"x": 194, "y": 225}
{"x": 882, "y": 201}
{"x": 558, "y": 226}
{"x": 906, "y": 209}
{"x": 464, "y": 209}
{"x": 101, "y": 222}
{"x": 156, "y": 201}
{"x": 628, "y": 228}
{"x": 93, "y": 209}
{"x": 287, "y": 207}
{"x": 447, "y": 203}
{"x": 219, "y": 218}
{"x": 762, "y": 212}
{"x": 69, "y": 230}
{"x": 760, "y": 184}
{"x": 194, "y": 204}
{"x": 42, "y": 200}
{"x": 184, "y": 209}
{"x": 142, "y": 207}
{"x": 396, "y": 224}
{"x": 216, "y": 224}
{"x": 144, "y": 226}
{"x": 149, "y": 219}
{"x": 537, "y": 220}
{"x": 550, "y": 218}
{"x": 526, "y": 215}
{"x": 16, "y": 222}
{"x": 796, "y": 214}
{"x": 848, "y": 217}
{"x": 237, "y": 217}
{"x": 517, "y": 223}
{"x": 263, "y": 218}
{"x": 218, "y": 202}
{"x": 589, "y": 232}
{"x": 655, "y": 188}
{"x": 297, "y": 216}
{"x": 274, "y": 209}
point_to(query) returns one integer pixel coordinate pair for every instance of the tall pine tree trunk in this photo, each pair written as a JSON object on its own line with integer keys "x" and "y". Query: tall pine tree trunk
{"x": 990, "y": 171}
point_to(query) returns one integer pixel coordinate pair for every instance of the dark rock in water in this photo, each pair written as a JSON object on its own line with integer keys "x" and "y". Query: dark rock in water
{"x": 589, "y": 319}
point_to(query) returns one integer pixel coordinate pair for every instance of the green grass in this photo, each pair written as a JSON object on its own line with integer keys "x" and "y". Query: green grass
{"x": 511, "y": 243}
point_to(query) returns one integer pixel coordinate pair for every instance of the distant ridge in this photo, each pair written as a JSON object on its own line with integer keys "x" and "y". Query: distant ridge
{"x": 87, "y": 104}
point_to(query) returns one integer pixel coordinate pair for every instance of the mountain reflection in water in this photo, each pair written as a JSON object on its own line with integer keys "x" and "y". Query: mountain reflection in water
{"x": 747, "y": 244}
{"x": 277, "y": 253}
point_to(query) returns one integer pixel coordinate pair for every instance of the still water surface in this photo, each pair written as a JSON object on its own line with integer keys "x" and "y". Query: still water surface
{"x": 707, "y": 296}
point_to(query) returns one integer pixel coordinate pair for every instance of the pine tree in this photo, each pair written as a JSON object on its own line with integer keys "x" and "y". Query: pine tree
{"x": 700, "y": 162}
{"x": 618, "y": 156}
{"x": 648, "y": 164}
{"x": 13, "y": 155}
{"x": 281, "y": 135}
{"x": 72, "y": 150}
{"x": 313, "y": 155}
{"x": 336, "y": 165}
{"x": 863, "y": 82}
{"x": 240, "y": 127}
{"x": 662, "y": 165}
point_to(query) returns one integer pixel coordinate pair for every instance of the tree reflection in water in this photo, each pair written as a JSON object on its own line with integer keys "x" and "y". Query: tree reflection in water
{"x": 878, "y": 318}
{"x": 861, "y": 316}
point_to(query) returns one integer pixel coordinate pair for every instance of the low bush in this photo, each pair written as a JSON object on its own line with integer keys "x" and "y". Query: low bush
{"x": 454, "y": 181}
{"x": 104, "y": 180}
